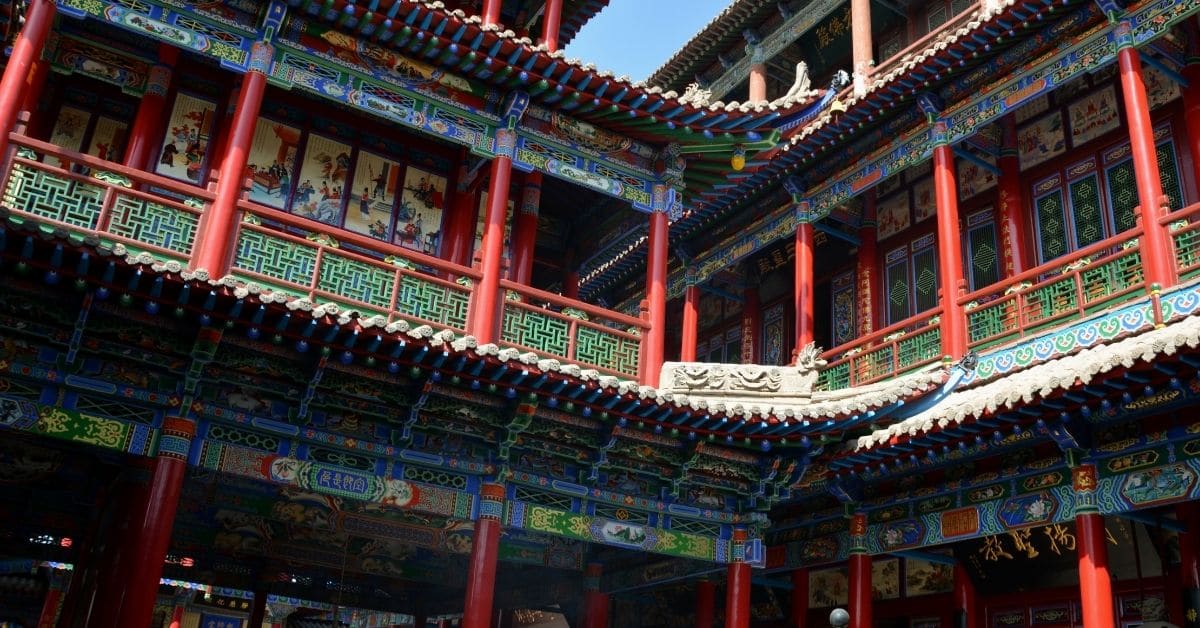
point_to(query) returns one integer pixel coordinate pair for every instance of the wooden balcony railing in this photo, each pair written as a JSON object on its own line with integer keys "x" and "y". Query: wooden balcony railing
{"x": 909, "y": 344}
{"x": 1066, "y": 289}
{"x": 278, "y": 251}
{"x": 1184, "y": 226}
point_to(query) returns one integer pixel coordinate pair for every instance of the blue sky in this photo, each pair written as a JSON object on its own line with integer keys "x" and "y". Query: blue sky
{"x": 635, "y": 37}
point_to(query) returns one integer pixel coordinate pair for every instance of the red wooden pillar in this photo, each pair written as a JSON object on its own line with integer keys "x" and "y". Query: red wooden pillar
{"x": 865, "y": 264}
{"x": 486, "y": 298}
{"x": 950, "y": 265}
{"x": 656, "y": 298}
{"x": 153, "y": 535}
{"x": 52, "y": 603}
{"x": 491, "y": 12}
{"x": 595, "y": 601}
{"x": 419, "y": 621}
{"x": 571, "y": 284}
{"x": 101, "y": 605}
{"x": 35, "y": 82}
{"x": 804, "y": 285}
{"x": 751, "y": 325}
{"x": 1158, "y": 258}
{"x": 481, "y": 579}
{"x": 177, "y": 616}
{"x": 258, "y": 612}
{"x": 706, "y": 603}
{"x": 214, "y": 243}
{"x": 1095, "y": 582}
{"x": 142, "y": 149}
{"x": 860, "y": 43}
{"x": 799, "y": 599}
{"x": 524, "y": 238}
{"x": 1191, "y": 94}
{"x": 551, "y": 23}
{"x": 39, "y": 17}
{"x": 737, "y": 591}
{"x": 966, "y": 614}
{"x": 1189, "y": 567}
{"x": 691, "y": 323}
{"x": 1010, "y": 201}
{"x": 860, "y": 573}
{"x": 460, "y": 228}
{"x": 758, "y": 75}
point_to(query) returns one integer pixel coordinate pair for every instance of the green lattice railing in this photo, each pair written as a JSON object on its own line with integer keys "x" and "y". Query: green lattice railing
{"x": 583, "y": 334}
{"x": 1067, "y": 289}
{"x": 896, "y": 349}
{"x": 89, "y": 196}
{"x": 1185, "y": 235}
{"x": 316, "y": 267}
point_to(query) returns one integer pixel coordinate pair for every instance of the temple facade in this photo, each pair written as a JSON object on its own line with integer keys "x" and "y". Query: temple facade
{"x": 389, "y": 313}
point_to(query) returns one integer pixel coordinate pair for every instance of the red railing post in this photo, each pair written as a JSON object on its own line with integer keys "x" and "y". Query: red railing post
{"x": 39, "y": 17}
{"x": 656, "y": 296}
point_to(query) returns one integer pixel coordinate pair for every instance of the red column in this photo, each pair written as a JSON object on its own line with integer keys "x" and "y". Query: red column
{"x": 39, "y": 17}
{"x": 52, "y": 603}
{"x": 1191, "y": 95}
{"x": 950, "y": 268}
{"x": 691, "y": 323}
{"x": 32, "y": 90}
{"x": 860, "y": 574}
{"x": 860, "y": 43}
{"x": 799, "y": 598}
{"x": 142, "y": 149}
{"x": 551, "y": 23}
{"x": 737, "y": 591}
{"x": 571, "y": 284}
{"x": 758, "y": 76}
{"x": 524, "y": 238}
{"x": 865, "y": 264}
{"x": 1010, "y": 202}
{"x": 706, "y": 603}
{"x": 218, "y": 228}
{"x": 102, "y": 605}
{"x": 656, "y": 297}
{"x": 419, "y": 621}
{"x": 177, "y": 617}
{"x": 965, "y": 613}
{"x": 486, "y": 298}
{"x": 751, "y": 325}
{"x": 1095, "y": 582}
{"x": 258, "y": 612}
{"x": 481, "y": 580}
{"x": 804, "y": 285}
{"x": 1189, "y": 557}
{"x": 491, "y": 12}
{"x": 153, "y": 535}
{"x": 595, "y": 603}
{"x": 1158, "y": 257}
{"x": 460, "y": 228}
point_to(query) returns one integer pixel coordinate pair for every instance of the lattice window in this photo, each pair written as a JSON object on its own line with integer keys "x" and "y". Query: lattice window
{"x": 1122, "y": 194}
{"x": 1086, "y": 213}
{"x": 1168, "y": 172}
{"x": 695, "y": 527}
{"x": 112, "y": 409}
{"x": 958, "y": 6}
{"x": 925, "y": 279}
{"x": 843, "y": 308}
{"x": 388, "y": 95}
{"x": 1052, "y": 230}
{"x": 982, "y": 259}
{"x": 898, "y": 293}
{"x": 542, "y": 498}
{"x": 617, "y": 513}
{"x": 244, "y": 438}
{"x": 436, "y": 477}
{"x": 936, "y": 16}
{"x": 341, "y": 459}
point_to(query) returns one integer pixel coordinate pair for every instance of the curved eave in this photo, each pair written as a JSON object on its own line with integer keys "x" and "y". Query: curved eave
{"x": 722, "y": 33}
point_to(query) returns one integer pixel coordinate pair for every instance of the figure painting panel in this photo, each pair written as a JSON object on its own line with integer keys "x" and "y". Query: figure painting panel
{"x": 272, "y": 162}
{"x": 924, "y": 578}
{"x": 828, "y": 587}
{"x": 108, "y": 139}
{"x": 419, "y": 219}
{"x": 924, "y": 203}
{"x": 974, "y": 179}
{"x": 885, "y": 578}
{"x": 69, "y": 129}
{"x": 326, "y": 170}
{"x": 185, "y": 146}
{"x": 892, "y": 215}
{"x": 1041, "y": 140}
{"x": 376, "y": 179}
{"x": 1093, "y": 116}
